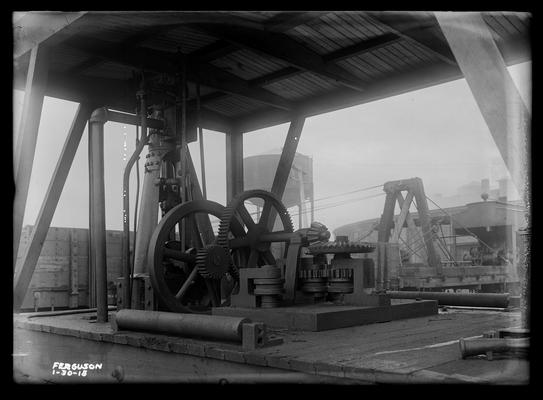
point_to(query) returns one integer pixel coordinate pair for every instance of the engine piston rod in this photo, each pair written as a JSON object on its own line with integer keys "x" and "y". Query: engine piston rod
{"x": 195, "y": 325}
{"x": 499, "y": 300}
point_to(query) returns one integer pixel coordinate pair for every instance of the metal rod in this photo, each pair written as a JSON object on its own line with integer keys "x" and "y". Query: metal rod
{"x": 133, "y": 119}
{"x": 127, "y": 292}
{"x": 187, "y": 283}
{"x": 179, "y": 255}
{"x": 183, "y": 138}
{"x": 195, "y": 325}
{"x": 499, "y": 300}
{"x": 97, "y": 209}
{"x": 201, "y": 140}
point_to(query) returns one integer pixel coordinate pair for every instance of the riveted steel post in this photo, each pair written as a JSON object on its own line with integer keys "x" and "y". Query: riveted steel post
{"x": 97, "y": 229}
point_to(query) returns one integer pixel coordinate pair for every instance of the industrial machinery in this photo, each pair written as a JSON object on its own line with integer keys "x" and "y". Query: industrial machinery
{"x": 414, "y": 252}
{"x": 207, "y": 273}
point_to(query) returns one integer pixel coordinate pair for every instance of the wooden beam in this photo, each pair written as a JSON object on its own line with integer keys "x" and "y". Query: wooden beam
{"x": 497, "y": 96}
{"x": 36, "y": 27}
{"x": 129, "y": 43}
{"x": 36, "y": 84}
{"x": 411, "y": 26}
{"x": 165, "y": 62}
{"x": 284, "y": 48}
{"x": 212, "y": 51}
{"x": 113, "y": 93}
{"x": 392, "y": 85}
{"x": 286, "y": 21}
{"x": 234, "y": 164}
{"x": 24, "y": 272}
{"x": 275, "y": 76}
{"x": 341, "y": 54}
{"x": 362, "y": 47}
{"x": 404, "y": 206}
{"x": 283, "y": 168}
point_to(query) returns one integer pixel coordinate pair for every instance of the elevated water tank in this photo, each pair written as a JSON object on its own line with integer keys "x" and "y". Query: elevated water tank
{"x": 259, "y": 172}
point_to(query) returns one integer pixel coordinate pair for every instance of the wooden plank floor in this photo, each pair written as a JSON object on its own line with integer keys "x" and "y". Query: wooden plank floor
{"x": 421, "y": 349}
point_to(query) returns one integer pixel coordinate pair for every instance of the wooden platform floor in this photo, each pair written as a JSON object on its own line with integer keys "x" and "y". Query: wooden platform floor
{"x": 417, "y": 350}
{"x": 326, "y": 316}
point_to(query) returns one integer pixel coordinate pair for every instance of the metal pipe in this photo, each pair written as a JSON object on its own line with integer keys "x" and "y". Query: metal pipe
{"x": 499, "y": 300}
{"x": 126, "y": 218}
{"x": 97, "y": 210}
{"x": 63, "y": 312}
{"x": 475, "y": 347}
{"x": 132, "y": 119}
{"x": 201, "y": 140}
{"x": 195, "y": 325}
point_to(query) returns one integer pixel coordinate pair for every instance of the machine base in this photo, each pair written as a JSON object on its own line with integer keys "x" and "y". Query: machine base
{"x": 326, "y": 316}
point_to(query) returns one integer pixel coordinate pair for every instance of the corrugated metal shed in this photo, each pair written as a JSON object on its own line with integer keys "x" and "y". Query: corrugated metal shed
{"x": 257, "y": 67}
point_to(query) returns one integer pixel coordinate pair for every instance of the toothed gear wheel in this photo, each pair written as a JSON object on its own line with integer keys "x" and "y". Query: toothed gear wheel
{"x": 212, "y": 262}
{"x": 237, "y": 206}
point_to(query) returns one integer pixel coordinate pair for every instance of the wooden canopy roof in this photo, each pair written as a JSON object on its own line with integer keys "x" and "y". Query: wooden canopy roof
{"x": 255, "y": 69}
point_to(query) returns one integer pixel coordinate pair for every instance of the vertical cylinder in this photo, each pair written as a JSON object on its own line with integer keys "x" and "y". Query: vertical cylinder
{"x": 97, "y": 210}
{"x": 148, "y": 214}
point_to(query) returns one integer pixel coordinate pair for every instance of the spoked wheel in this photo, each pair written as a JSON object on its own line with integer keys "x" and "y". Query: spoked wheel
{"x": 187, "y": 277}
{"x": 252, "y": 248}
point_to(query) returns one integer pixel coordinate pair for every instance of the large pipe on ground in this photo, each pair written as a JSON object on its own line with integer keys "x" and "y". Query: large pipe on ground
{"x": 195, "y": 325}
{"x": 475, "y": 347}
{"x": 499, "y": 300}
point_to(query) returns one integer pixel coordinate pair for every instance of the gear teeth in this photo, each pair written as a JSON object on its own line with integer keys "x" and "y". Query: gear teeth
{"x": 228, "y": 214}
{"x": 201, "y": 261}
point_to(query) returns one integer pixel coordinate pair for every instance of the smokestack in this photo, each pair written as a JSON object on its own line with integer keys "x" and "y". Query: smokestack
{"x": 485, "y": 189}
{"x": 503, "y": 189}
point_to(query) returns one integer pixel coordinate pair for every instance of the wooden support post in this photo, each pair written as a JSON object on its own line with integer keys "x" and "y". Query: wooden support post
{"x": 234, "y": 164}
{"x": 30, "y": 258}
{"x": 283, "y": 168}
{"x": 425, "y": 225}
{"x": 499, "y": 101}
{"x": 36, "y": 84}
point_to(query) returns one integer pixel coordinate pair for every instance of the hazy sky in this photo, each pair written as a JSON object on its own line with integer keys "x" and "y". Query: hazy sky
{"x": 437, "y": 134}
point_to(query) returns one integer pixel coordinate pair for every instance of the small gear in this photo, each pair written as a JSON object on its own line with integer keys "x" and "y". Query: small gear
{"x": 213, "y": 262}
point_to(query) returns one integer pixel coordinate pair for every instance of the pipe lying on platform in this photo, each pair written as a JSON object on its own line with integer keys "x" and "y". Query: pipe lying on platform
{"x": 196, "y": 325}
{"x": 475, "y": 347}
{"x": 499, "y": 300}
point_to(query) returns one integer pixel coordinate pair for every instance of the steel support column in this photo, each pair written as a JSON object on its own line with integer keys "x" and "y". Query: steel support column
{"x": 97, "y": 229}
{"x": 26, "y": 269}
{"x": 234, "y": 164}
{"x": 499, "y": 101}
{"x": 36, "y": 84}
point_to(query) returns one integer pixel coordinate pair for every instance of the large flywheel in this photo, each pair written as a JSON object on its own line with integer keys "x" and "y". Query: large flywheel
{"x": 186, "y": 267}
{"x": 251, "y": 249}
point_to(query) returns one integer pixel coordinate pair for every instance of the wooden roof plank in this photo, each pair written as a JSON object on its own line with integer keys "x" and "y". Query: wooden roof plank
{"x": 164, "y": 62}
{"x": 286, "y": 49}
{"x": 412, "y": 28}
{"x": 516, "y": 22}
{"x": 286, "y": 21}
